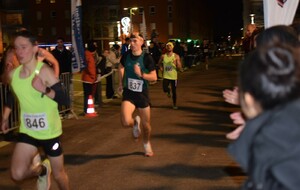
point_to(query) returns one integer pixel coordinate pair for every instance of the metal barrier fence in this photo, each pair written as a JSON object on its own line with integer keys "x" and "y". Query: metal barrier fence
{"x": 14, "y": 119}
{"x": 66, "y": 80}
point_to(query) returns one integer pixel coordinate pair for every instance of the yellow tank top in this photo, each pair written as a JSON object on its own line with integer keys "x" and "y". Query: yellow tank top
{"x": 170, "y": 70}
{"x": 39, "y": 116}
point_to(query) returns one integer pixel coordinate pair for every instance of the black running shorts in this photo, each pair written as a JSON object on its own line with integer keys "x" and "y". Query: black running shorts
{"x": 139, "y": 99}
{"x": 52, "y": 147}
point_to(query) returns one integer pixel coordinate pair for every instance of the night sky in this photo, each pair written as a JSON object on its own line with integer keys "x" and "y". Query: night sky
{"x": 228, "y": 17}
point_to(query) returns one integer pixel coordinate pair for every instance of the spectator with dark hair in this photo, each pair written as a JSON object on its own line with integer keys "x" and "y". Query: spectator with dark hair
{"x": 271, "y": 36}
{"x": 268, "y": 149}
{"x": 63, "y": 56}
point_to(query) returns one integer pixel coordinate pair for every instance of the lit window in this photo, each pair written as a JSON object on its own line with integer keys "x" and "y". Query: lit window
{"x": 52, "y": 1}
{"x": 152, "y": 10}
{"x": 38, "y": 1}
{"x": 14, "y": 18}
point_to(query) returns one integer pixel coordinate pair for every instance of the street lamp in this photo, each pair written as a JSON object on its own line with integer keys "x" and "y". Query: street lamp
{"x": 252, "y": 18}
{"x": 131, "y": 9}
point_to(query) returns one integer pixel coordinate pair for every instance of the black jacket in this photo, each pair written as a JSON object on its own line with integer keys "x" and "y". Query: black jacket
{"x": 64, "y": 59}
{"x": 269, "y": 149}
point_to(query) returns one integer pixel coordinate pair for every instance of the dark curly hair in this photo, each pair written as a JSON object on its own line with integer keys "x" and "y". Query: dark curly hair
{"x": 271, "y": 74}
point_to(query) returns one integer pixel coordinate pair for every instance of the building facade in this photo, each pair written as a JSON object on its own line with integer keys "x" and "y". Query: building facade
{"x": 171, "y": 19}
{"x": 101, "y": 20}
{"x": 11, "y": 18}
{"x": 49, "y": 19}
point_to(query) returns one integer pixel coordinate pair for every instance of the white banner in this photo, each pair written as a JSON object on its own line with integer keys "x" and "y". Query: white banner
{"x": 279, "y": 12}
{"x": 143, "y": 26}
{"x": 77, "y": 42}
{"x": 143, "y": 30}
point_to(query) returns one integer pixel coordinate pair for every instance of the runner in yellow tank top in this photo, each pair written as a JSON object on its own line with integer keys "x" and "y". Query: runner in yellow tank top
{"x": 39, "y": 92}
{"x": 169, "y": 64}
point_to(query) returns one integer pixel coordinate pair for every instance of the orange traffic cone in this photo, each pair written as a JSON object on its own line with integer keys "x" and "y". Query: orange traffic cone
{"x": 90, "y": 112}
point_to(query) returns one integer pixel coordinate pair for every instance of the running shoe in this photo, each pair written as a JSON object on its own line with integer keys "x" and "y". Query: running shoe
{"x": 44, "y": 181}
{"x": 148, "y": 150}
{"x": 175, "y": 107}
{"x": 136, "y": 130}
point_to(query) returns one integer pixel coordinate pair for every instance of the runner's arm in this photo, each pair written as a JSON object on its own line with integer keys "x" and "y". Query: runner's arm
{"x": 4, "y": 121}
{"x": 45, "y": 55}
{"x": 46, "y": 83}
{"x": 151, "y": 76}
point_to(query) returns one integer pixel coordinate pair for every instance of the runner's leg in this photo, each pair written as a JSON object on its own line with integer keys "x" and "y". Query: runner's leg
{"x": 21, "y": 166}
{"x": 145, "y": 121}
{"x": 173, "y": 88}
{"x": 59, "y": 173}
{"x": 127, "y": 109}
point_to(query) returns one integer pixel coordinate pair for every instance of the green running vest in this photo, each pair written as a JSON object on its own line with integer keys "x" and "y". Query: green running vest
{"x": 39, "y": 116}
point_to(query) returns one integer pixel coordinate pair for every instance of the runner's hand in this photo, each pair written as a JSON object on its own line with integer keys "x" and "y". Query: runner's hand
{"x": 137, "y": 70}
{"x": 4, "y": 126}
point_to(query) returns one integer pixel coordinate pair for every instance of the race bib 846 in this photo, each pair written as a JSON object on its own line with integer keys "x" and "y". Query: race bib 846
{"x": 35, "y": 122}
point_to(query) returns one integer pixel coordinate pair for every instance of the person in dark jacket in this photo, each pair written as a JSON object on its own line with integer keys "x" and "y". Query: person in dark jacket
{"x": 63, "y": 56}
{"x": 268, "y": 149}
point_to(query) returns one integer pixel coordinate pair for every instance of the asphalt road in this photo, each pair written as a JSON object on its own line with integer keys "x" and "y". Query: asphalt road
{"x": 189, "y": 143}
